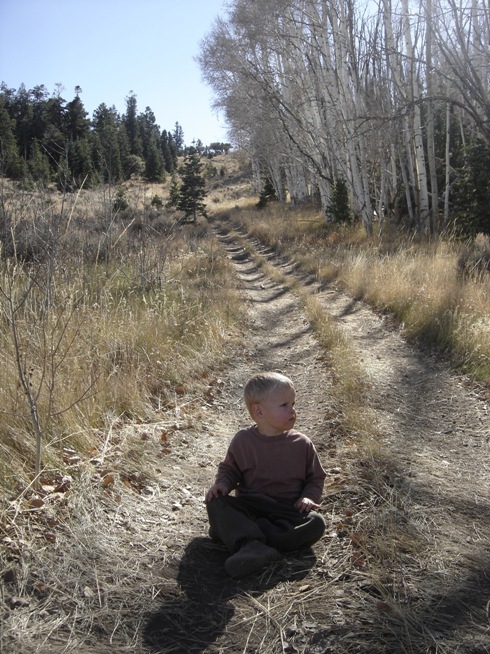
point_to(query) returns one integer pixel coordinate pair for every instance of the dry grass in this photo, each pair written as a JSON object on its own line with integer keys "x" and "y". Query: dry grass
{"x": 108, "y": 321}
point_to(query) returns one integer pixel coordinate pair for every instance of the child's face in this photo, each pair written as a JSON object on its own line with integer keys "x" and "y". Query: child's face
{"x": 276, "y": 413}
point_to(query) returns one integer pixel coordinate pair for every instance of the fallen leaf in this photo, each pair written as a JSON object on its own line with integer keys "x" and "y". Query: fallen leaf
{"x": 358, "y": 560}
{"x": 108, "y": 480}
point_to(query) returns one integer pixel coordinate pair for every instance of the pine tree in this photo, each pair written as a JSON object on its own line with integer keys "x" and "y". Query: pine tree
{"x": 10, "y": 162}
{"x": 132, "y": 126}
{"x": 173, "y": 195}
{"x": 154, "y": 168}
{"x": 192, "y": 191}
{"x": 178, "y": 137}
{"x": 76, "y": 122}
{"x": 38, "y": 164}
{"x": 107, "y": 157}
{"x": 168, "y": 157}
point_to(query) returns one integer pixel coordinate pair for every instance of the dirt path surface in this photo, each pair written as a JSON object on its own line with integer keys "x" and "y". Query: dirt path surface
{"x": 436, "y": 428}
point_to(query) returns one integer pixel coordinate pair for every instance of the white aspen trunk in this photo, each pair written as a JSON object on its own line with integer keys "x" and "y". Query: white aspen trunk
{"x": 408, "y": 195}
{"x": 393, "y": 179}
{"x": 348, "y": 99}
{"x": 417, "y": 136}
{"x": 275, "y": 171}
{"x": 431, "y": 150}
{"x": 325, "y": 191}
{"x": 256, "y": 174}
{"x": 448, "y": 166}
{"x": 399, "y": 92}
{"x": 381, "y": 200}
{"x": 461, "y": 128}
{"x": 296, "y": 183}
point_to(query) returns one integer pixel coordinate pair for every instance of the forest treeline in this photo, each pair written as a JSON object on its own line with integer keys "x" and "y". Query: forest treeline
{"x": 44, "y": 138}
{"x": 376, "y": 110}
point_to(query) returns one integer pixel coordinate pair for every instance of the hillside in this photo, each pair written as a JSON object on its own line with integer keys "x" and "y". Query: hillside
{"x": 114, "y": 555}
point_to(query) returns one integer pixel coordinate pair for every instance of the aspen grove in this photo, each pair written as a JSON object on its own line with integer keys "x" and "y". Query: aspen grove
{"x": 390, "y": 99}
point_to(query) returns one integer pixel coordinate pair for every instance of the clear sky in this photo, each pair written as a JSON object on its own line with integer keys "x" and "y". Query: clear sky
{"x": 112, "y": 47}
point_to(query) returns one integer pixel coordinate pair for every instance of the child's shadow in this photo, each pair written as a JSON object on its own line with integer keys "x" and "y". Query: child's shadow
{"x": 196, "y": 616}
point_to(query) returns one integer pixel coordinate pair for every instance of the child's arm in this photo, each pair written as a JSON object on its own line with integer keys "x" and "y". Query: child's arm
{"x": 313, "y": 487}
{"x": 227, "y": 477}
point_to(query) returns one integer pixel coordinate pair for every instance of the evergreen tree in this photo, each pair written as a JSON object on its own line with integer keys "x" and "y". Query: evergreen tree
{"x": 173, "y": 195}
{"x": 38, "y": 164}
{"x": 173, "y": 151}
{"x": 131, "y": 123}
{"x": 79, "y": 159}
{"x": 10, "y": 162}
{"x": 471, "y": 191}
{"x": 178, "y": 137}
{"x": 268, "y": 193}
{"x": 76, "y": 121}
{"x": 21, "y": 110}
{"x": 107, "y": 155}
{"x": 154, "y": 168}
{"x": 55, "y": 137}
{"x": 339, "y": 209}
{"x": 168, "y": 158}
{"x": 192, "y": 191}
{"x": 150, "y": 136}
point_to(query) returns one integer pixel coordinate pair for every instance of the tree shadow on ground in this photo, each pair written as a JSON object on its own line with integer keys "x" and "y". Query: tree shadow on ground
{"x": 201, "y": 606}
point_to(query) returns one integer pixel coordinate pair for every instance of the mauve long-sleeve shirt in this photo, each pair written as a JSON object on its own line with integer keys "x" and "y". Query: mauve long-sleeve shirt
{"x": 285, "y": 467}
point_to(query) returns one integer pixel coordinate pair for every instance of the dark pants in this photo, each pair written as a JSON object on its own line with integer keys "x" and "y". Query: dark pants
{"x": 234, "y": 520}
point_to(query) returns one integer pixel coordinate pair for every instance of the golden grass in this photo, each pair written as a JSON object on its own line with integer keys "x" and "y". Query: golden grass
{"x": 105, "y": 336}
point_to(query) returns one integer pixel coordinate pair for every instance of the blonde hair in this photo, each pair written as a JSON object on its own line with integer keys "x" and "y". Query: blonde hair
{"x": 260, "y": 385}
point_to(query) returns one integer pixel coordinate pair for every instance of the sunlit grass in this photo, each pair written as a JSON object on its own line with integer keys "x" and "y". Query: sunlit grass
{"x": 112, "y": 337}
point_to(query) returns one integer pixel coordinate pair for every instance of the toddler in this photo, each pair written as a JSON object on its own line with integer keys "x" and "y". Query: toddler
{"x": 277, "y": 480}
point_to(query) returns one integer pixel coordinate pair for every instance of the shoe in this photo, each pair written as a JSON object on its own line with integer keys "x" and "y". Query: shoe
{"x": 251, "y": 557}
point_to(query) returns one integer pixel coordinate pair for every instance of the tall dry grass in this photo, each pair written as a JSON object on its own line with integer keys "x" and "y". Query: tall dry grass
{"x": 103, "y": 316}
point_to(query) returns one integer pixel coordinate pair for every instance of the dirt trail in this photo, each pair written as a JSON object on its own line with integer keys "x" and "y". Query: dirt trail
{"x": 324, "y": 601}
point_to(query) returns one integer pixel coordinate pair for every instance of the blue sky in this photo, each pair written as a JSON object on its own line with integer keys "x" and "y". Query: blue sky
{"x": 112, "y": 47}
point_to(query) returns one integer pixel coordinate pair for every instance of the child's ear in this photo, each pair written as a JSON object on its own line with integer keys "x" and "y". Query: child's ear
{"x": 256, "y": 410}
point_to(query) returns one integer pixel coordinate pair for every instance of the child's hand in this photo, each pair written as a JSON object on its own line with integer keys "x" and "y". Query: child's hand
{"x": 305, "y": 505}
{"x": 214, "y": 491}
